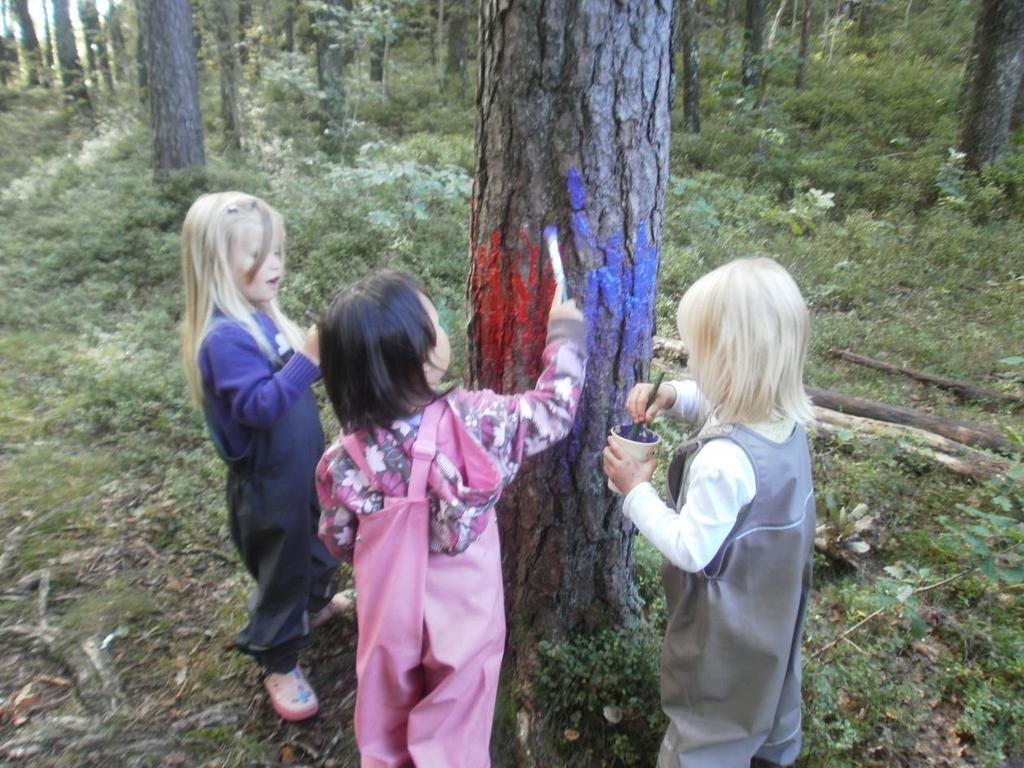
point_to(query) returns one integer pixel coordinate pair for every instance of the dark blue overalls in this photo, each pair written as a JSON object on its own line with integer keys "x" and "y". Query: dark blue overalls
{"x": 273, "y": 513}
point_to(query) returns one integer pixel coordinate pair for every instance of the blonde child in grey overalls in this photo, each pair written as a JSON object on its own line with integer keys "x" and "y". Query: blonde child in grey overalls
{"x": 738, "y": 529}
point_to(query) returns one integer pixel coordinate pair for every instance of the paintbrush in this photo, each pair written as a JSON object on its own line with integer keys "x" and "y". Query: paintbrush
{"x": 634, "y": 432}
{"x": 551, "y": 237}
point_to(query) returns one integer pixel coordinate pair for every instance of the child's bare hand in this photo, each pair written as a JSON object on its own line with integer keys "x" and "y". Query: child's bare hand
{"x": 623, "y": 470}
{"x": 564, "y": 310}
{"x": 640, "y": 406}
{"x": 311, "y": 346}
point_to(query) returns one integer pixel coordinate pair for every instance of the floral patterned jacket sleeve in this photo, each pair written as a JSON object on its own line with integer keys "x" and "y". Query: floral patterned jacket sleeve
{"x": 513, "y": 427}
{"x": 508, "y": 427}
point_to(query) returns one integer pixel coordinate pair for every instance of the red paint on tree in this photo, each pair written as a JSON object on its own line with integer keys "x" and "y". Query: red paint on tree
{"x": 514, "y": 299}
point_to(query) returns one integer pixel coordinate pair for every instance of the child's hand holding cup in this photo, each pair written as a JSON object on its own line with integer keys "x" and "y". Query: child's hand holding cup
{"x": 629, "y": 457}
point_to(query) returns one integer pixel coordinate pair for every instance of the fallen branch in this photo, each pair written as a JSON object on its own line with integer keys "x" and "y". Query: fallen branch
{"x": 919, "y": 591}
{"x": 963, "y": 389}
{"x": 954, "y": 456}
{"x": 960, "y": 431}
{"x": 13, "y": 541}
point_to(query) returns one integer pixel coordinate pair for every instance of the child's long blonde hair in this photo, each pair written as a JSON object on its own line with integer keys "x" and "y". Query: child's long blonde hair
{"x": 206, "y": 236}
{"x": 747, "y": 329}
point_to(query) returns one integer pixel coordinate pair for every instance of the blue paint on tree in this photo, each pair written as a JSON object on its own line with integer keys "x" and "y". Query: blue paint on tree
{"x": 618, "y": 303}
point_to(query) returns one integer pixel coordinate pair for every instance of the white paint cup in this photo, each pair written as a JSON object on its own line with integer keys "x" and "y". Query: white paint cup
{"x": 641, "y": 451}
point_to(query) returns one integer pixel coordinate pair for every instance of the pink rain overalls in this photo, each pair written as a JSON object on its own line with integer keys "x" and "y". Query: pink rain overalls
{"x": 431, "y": 626}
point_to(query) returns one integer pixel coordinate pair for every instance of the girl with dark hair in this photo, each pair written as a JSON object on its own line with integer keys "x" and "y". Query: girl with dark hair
{"x": 408, "y": 492}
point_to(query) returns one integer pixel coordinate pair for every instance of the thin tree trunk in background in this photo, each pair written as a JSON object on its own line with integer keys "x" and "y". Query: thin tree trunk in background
{"x": 49, "y": 58}
{"x": 584, "y": 90}
{"x": 691, "y": 65}
{"x": 31, "y": 53}
{"x": 1017, "y": 119}
{"x": 753, "y": 44}
{"x": 993, "y": 89}
{"x": 775, "y": 25}
{"x": 439, "y": 46}
{"x": 244, "y": 18}
{"x": 289, "y": 25}
{"x": 728, "y": 19}
{"x": 71, "y": 75}
{"x": 330, "y": 72}
{"x": 118, "y": 46}
{"x": 458, "y": 47}
{"x": 88, "y": 37}
{"x": 173, "y": 87}
{"x": 377, "y": 47}
{"x": 223, "y": 20}
{"x": 805, "y": 45}
{"x": 864, "y": 23}
{"x": 142, "y": 51}
{"x": 8, "y": 47}
{"x": 95, "y": 43}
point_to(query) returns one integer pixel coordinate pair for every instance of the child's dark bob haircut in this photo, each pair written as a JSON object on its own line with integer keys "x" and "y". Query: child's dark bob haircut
{"x": 374, "y": 340}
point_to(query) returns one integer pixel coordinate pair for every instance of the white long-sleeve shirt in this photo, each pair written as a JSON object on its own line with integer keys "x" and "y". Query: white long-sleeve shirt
{"x": 721, "y": 482}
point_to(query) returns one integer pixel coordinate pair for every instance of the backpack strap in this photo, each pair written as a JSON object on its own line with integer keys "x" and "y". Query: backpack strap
{"x": 679, "y": 466}
{"x": 354, "y": 448}
{"x": 425, "y": 448}
{"x": 423, "y": 451}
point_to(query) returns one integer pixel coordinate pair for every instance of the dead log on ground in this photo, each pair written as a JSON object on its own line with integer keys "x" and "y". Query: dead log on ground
{"x": 962, "y": 389}
{"x": 957, "y": 458}
{"x": 960, "y": 431}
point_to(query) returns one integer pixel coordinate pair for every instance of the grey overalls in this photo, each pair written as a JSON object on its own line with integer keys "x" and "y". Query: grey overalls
{"x": 730, "y": 665}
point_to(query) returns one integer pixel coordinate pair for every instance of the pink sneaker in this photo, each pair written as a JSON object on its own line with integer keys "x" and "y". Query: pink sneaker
{"x": 291, "y": 695}
{"x": 340, "y": 604}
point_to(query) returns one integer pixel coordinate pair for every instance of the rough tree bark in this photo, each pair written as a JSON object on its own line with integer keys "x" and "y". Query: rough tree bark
{"x": 32, "y": 55}
{"x": 71, "y": 75}
{"x": 992, "y": 81}
{"x": 572, "y": 130}
{"x": 753, "y": 43}
{"x": 95, "y": 43}
{"x": 173, "y": 87}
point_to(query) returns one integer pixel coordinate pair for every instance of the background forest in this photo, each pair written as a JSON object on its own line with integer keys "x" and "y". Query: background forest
{"x": 874, "y": 147}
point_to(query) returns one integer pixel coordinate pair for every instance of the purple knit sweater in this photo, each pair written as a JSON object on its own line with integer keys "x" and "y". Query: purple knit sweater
{"x": 243, "y": 388}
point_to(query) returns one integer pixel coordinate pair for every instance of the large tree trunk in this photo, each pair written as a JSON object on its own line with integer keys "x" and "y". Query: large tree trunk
{"x": 572, "y": 130}
{"x": 29, "y": 43}
{"x": 805, "y": 45}
{"x": 994, "y": 71}
{"x": 71, "y": 75}
{"x": 330, "y": 72}
{"x": 753, "y": 44}
{"x": 691, "y": 65}
{"x": 173, "y": 87}
{"x": 223, "y": 21}
{"x": 95, "y": 43}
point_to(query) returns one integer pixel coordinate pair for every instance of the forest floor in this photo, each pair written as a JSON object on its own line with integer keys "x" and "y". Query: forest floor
{"x": 120, "y": 592}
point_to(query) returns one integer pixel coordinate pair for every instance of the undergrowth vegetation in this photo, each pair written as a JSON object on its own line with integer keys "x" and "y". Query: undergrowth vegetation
{"x": 850, "y": 183}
